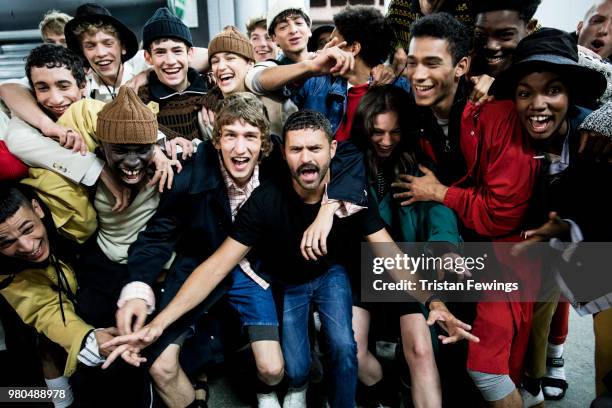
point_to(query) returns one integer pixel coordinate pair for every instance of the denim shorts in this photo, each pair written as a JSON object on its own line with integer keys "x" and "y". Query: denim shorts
{"x": 255, "y": 306}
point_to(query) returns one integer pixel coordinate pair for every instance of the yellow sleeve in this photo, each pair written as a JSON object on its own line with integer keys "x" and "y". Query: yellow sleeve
{"x": 37, "y": 304}
{"x": 82, "y": 117}
{"x": 72, "y": 211}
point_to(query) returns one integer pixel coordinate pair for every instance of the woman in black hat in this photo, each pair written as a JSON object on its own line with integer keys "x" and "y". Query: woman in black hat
{"x": 550, "y": 91}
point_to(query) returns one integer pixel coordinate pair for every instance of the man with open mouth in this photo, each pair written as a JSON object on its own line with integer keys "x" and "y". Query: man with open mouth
{"x": 595, "y": 30}
{"x": 272, "y": 222}
{"x": 176, "y": 89}
{"x": 263, "y": 46}
{"x": 39, "y": 282}
{"x": 550, "y": 105}
{"x": 452, "y": 131}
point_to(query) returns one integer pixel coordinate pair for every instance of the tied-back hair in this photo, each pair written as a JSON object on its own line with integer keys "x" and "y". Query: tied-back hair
{"x": 376, "y": 101}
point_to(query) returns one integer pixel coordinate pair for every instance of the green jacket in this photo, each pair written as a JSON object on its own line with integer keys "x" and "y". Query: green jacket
{"x": 425, "y": 221}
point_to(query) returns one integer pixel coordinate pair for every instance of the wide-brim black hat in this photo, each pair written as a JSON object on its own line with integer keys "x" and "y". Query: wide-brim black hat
{"x": 91, "y": 12}
{"x": 549, "y": 49}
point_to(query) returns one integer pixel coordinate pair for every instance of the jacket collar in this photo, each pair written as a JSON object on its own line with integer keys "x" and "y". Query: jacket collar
{"x": 206, "y": 174}
{"x": 159, "y": 91}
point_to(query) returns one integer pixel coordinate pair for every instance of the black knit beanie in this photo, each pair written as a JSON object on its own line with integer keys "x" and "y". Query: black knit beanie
{"x": 164, "y": 24}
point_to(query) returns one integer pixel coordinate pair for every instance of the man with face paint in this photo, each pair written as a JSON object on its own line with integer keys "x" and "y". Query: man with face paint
{"x": 109, "y": 48}
{"x": 272, "y": 221}
{"x": 127, "y": 132}
{"x": 56, "y": 75}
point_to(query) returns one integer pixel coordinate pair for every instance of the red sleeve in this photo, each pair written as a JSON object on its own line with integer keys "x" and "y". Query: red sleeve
{"x": 503, "y": 178}
{"x": 11, "y": 168}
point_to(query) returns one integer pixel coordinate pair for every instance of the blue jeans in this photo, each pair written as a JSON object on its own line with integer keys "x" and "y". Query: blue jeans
{"x": 331, "y": 295}
{"x": 255, "y": 305}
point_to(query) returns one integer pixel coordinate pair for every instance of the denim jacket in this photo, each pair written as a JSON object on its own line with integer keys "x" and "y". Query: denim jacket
{"x": 328, "y": 95}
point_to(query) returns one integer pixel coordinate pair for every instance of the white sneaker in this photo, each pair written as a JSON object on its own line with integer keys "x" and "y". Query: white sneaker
{"x": 269, "y": 400}
{"x": 295, "y": 398}
{"x": 530, "y": 400}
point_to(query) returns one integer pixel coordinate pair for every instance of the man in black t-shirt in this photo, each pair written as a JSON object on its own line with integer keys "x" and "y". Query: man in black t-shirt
{"x": 272, "y": 222}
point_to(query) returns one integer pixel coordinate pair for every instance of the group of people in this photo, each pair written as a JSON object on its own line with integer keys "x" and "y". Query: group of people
{"x": 165, "y": 205}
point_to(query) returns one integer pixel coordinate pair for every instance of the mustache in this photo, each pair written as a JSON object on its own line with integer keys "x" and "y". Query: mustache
{"x": 308, "y": 167}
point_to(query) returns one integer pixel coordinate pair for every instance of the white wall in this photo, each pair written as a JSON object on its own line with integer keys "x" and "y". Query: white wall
{"x": 562, "y": 14}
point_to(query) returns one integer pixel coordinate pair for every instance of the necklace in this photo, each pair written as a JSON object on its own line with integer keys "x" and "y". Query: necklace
{"x": 113, "y": 92}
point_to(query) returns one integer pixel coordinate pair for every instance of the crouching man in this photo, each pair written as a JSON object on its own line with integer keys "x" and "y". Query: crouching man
{"x": 39, "y": 283}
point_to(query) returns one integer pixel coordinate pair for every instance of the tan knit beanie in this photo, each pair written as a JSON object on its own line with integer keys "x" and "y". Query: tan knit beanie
{"x": 231, "y": 40}
{"x": 126, "y": 120}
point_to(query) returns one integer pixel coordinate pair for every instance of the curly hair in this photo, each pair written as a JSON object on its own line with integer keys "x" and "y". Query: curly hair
{"x": 308, "y": 119}
{"x": 55, "y": 56}
{"x": 366, "y": 25}
{"x": 244, "y": 106}
{"x": 445, "y": 27}
{"x": 525, "y": 8}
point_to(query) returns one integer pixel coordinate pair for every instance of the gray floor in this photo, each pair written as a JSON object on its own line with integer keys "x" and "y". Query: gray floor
{"x": 578, "y": 361}
{"x": 579, "y": 364}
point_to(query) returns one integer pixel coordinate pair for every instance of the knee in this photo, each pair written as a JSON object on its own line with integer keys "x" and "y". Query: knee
{"x": 362, "y": 349}
{"x": 493, "y": 387}
{"x": 344, "y": 350}
{"x": 271, "y": 370}
{"x": 164, "y": 371}
{"x": 297, "y": 374}
{"x": 418, "y": 354}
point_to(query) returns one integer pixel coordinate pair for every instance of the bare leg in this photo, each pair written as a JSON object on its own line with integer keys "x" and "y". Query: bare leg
{"x": 171, "y": 382}
{"x": 370, "y": 370}
{"x": 269, "y": 361}
{"x": 512, "y": 400}
{"x": 418, "y": 351}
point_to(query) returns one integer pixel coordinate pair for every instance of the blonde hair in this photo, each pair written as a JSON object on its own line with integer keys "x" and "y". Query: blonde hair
{"x": 53, "y": 21}
{"x": 90, "y": 28}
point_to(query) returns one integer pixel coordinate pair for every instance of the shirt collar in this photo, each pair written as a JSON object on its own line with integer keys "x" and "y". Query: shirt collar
{"x": 160, "y": 91}
{"x": 231, "y": 184}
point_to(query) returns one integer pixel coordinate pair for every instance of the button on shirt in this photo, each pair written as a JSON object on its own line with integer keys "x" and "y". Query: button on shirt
{"x": 237, "y": 197}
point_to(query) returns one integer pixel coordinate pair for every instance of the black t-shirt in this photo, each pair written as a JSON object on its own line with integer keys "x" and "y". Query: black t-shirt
{"x": 273, "y": 220}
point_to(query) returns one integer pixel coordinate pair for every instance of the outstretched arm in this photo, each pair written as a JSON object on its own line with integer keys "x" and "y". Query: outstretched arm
{"x": 196, "y": 288}
{"x": 456, "y": 329}
{"x": 331, "y": 60}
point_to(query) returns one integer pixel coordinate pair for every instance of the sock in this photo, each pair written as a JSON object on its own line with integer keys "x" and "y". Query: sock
{"x": 554, "y": 350}
{"x": 532, "y": 385}
{"x": 60, "y": 383}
